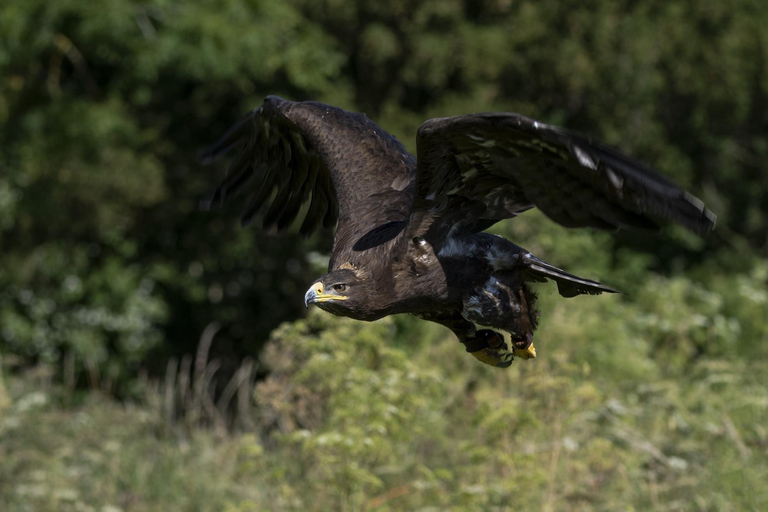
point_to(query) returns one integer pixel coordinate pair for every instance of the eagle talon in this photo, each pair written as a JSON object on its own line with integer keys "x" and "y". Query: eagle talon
{"x": 523, "y": 347}
{"x": 496, "y": 352}
{"x": 526, "y": 353}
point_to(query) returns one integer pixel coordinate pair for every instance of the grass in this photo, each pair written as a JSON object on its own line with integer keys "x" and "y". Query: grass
{"x": 607, "y": 418}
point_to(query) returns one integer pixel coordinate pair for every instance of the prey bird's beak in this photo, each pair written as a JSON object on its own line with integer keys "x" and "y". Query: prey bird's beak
{"x": 315, "y": 294}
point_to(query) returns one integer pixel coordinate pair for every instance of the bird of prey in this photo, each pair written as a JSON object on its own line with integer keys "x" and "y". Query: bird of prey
{"x": 410, "y": 231}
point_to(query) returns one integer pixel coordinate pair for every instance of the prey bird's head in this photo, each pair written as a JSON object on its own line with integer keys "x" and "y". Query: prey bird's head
{"x": 342, "y": 292}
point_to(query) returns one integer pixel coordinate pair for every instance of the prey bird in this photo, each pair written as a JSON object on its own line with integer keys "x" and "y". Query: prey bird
{"x": 410, "y": 231}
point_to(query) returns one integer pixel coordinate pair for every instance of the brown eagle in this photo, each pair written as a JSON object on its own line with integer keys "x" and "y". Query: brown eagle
{"x": 409, "y": 233}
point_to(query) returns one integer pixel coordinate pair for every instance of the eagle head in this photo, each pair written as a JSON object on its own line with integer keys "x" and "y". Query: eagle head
{"x": 342, "y": 292}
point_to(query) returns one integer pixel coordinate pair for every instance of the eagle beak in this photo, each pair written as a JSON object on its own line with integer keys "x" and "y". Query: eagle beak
{"x": 310, "y": 296}
{"x": 315, "y": 294}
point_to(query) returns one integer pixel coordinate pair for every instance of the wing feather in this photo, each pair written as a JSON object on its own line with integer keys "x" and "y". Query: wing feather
{"x": 512, "y": 163}
{"x": 308, "y": 152}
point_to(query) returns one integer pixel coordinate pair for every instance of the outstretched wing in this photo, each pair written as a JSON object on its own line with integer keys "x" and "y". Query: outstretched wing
{"x": 477, "y": 169}
{"x": 343, "y": 164}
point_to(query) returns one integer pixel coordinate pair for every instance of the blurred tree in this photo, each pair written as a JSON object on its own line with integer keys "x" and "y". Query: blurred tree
{"x": 103, "y": 113}
{"x": 678, "y": 84}
{"x": 103, "y": 110}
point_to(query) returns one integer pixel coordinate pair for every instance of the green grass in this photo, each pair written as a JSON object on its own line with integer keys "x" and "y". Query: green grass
{"x": 605, "y": 419}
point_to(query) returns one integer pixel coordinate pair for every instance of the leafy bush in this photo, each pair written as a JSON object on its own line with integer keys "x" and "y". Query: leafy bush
{"x": 347, "y": 421}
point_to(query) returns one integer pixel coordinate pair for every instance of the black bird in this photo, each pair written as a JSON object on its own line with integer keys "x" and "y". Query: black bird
{"x": 409, "y": 234}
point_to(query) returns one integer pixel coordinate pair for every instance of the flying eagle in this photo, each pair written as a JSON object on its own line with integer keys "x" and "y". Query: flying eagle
{"x": 410, "y": 233}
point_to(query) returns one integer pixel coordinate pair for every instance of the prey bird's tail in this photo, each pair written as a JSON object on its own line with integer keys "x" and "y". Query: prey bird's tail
{"x": 569, "y": 285}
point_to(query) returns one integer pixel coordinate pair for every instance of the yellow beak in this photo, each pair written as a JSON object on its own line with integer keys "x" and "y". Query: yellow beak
{"x": 315, "y": 294}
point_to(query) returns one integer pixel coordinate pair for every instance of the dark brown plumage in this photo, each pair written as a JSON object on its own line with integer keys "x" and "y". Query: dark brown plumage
{"x": 409, "y": 235}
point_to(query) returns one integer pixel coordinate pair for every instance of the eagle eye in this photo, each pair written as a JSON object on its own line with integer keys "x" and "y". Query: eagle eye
{"x": 340, "y": 287}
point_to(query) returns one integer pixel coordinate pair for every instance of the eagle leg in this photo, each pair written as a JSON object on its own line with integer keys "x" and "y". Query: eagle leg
{"x": 485, "y": 345}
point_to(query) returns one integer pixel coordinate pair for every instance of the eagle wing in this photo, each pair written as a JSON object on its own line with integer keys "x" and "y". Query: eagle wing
{"x": 475, "y": 170}
{"x": 347, "y": 168}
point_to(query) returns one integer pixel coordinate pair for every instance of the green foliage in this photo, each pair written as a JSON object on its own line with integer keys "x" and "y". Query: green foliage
{"x": 346, "y": 421}
{"x": 354, "y": 406}
{"x": 103, "y": 111}
{"x": 648, "y": 401}
{"x": 107, "y": 320}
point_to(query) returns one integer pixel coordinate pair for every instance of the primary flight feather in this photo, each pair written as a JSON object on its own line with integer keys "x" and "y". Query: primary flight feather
{"x": 409, "y": 233}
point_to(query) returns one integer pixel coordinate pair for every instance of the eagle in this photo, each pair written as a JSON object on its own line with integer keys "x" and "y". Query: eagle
{"x": 410, "y": 232}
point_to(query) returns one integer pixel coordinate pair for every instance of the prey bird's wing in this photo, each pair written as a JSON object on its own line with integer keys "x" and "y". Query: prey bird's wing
{"x": 290, "y": 154}
{"x": 475, "y": 170}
